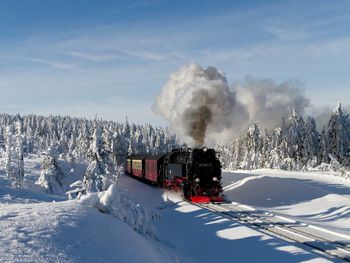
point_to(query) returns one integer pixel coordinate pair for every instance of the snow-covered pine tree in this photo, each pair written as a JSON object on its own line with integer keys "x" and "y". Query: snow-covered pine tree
{"x": 295, "y": 135}
{"x": 266, "y": 151}
{"x": 323, "y": 155}
{"x": 100, "y": 172}
{"x": 2, "y": 142}
{"x": 277, "y": 149}
{"x": 19, "y": 175}
{"x": 9, "y": 149}
{"x": 51, "y": 176}
{"x": 338, "y": 134}
{"x": 252, "y": 158}
{"x": 311, "y": 143}
{"x": 283, "y": 147}
{"x": 14, "y": 155}
{"x": 223, "y": 154}
{"x": 238, "y": 152}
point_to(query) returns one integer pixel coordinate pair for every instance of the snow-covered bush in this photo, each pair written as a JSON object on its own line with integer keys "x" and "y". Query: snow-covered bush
{"x": 113, "y": 202}
{"x": 51, "y": 176}
{"x": 78, "y": 190}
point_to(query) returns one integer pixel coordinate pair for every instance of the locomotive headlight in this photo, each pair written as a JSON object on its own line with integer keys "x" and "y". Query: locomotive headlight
{"x": 197, "y": 180}
{"x": 215, "y": 179}
{"x": 205, "y": 149}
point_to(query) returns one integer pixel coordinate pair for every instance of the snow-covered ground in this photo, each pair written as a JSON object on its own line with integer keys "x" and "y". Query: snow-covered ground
{"x": 37, "y": 227}
{"x": 316, "y": 198}
{"x": 193, "y": 234}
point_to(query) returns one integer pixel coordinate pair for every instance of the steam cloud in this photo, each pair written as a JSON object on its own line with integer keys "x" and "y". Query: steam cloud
{"x": 203, "y": 110}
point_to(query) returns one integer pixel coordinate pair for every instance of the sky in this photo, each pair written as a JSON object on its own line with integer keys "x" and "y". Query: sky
{"x": 110, "y": 58}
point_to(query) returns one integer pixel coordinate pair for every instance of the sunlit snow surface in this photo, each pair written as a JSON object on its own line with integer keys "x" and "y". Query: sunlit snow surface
{"x": 36, "y": 227}
{"x": 197, "y": 235}
{"x": 312, "y": 197}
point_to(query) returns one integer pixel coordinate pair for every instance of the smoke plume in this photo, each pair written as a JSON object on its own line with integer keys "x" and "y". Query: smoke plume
{"x": 203, "y": 110}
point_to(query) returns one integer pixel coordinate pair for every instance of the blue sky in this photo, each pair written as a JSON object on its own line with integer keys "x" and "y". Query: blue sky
{"x": 110, "y": 58}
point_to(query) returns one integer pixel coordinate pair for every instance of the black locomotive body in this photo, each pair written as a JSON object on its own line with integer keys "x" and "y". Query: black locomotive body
{"x": 196, "y": 172}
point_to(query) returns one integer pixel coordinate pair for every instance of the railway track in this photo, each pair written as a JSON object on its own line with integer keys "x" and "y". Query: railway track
{"x": 309, "y": 237}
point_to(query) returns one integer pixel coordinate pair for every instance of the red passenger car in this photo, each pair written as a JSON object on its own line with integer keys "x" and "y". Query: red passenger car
{"x": 137, "y": 166}
{"x": 153, "y": 168}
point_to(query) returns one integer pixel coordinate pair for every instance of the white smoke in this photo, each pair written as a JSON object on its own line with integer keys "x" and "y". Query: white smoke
{"x": 267, "y": 102}
{"x": 203, "y": 110}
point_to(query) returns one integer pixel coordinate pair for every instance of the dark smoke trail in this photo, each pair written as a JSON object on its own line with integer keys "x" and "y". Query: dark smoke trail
{"x": 196, "y": 122}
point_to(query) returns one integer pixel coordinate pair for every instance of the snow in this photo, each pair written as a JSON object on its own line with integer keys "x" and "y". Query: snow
{"x": 38, "y": 227}
{"x": 317, "y": 198}
{"x": 197, "y": 235}
{"x": 69, "y": 232}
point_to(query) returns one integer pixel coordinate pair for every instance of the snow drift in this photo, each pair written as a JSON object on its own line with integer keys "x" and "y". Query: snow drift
{"x": 122, "y": 207}
{"x": 202, "y": 109}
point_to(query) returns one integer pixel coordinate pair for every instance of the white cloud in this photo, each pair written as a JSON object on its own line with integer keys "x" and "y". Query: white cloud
{"x": 288, "y": 33}
{"x": 54, "y": 64}
{"x": 92, "y": 57}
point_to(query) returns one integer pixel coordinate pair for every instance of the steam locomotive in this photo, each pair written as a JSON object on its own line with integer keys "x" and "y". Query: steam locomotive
{"x": 196, "y": 172}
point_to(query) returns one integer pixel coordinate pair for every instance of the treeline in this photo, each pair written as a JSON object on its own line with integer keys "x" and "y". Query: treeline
{"x": 296, "y": 145}
{"x": 73, "y": 136}
{"x": 104, "y": 146}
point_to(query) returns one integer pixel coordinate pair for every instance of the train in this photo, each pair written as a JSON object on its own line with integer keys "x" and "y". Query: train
{"x": 196, "y": 172}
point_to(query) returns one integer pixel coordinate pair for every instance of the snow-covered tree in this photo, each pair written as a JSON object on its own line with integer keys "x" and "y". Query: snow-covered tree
{"x": 295, "y": 136}
{"x": 19, "y": 175}
{"x": 311, "y": 142}
{"x": 278, "y": 148}
{"x": 338, "y": 134}
{"x": 252, "y": 158}
{"x": 266, "y": 149}
{"x": 101, "y": 170}
{"x": 51, "y": 176}
{"x": 14, "y": 155}
{"x": 323, "y": 155}
{"x": 9, "y": 149}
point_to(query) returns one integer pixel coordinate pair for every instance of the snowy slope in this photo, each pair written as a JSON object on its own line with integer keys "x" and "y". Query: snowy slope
{"x": 36, "y": 227}
{"x": 314, "y": 197}
{"x": 69, "y": 232}
{"x": 197, "y": 235}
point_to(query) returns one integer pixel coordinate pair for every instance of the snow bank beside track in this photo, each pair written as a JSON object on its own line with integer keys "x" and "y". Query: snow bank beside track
{"x": 313, "y": 197}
